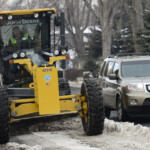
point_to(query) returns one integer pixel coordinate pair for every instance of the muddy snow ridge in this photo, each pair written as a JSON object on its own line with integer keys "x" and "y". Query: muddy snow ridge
{"x": 124, "y": 127}
{"x": 16, "y": 146}
{"x": 116, "y": 135}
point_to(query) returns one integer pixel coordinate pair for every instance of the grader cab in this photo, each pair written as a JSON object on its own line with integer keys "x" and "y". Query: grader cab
{"x": 29, "y": 84}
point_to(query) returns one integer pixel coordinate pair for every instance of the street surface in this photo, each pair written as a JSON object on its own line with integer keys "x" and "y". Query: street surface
{"x": 66, "y": 133}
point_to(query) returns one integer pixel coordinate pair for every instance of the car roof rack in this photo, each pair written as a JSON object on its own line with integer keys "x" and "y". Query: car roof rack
{"x": 129, "y": 54}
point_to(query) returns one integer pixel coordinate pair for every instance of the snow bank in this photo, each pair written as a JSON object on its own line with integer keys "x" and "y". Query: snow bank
{"x": 125, "y": 127}
{"x": 122, "y": 136}
{"x": 63, "y": 141}
{"x": 16, "y": 146}
{"x": 67, "y": 133}
{"x": 75, "y": 84}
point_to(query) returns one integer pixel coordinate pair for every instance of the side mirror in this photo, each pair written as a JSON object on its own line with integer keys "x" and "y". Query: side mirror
{"x": 57, "y": 20}
{"x": 112, "y": 76}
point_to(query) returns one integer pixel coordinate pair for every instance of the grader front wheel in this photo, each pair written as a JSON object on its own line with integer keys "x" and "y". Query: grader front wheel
{"x": 92, "y": 108}
{"x": 4, "y": 117}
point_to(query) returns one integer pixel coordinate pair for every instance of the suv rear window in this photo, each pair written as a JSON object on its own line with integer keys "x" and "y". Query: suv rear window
{"x": 102, "y": 68}
{"x": 116, "y": 69}
{"x": 136, "y": 69}
{"x": 109, "y": 68}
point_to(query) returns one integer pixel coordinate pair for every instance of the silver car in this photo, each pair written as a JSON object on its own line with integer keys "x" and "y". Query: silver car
{"x": 125, "y": 82}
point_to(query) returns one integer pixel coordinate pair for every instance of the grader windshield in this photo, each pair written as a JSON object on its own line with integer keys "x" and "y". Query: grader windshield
{"x": 15, "y": 33}
{"x": 25, "y": 30}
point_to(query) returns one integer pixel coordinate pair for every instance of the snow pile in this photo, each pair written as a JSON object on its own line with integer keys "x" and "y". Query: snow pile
{"x": 122, "y": 136}
{"x": 67, "y": 133}
{"x": 15, "y": 146}
{"x": 75, "y": 84}
{"x": 62, "y": 141}
{"x": 124, "y": 127}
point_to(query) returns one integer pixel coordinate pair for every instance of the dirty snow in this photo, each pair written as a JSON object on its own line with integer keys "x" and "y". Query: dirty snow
{"x": 75, "y": 84}
{"x": 16, "y": 146}
{"x": 67, "y": 134}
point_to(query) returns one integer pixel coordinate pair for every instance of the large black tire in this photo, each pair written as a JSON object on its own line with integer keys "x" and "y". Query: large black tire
{"x": 107, "y": 112}
{"x": 94, "y": 124}
{"x": 64, "y": 88}
{"x": 121, "y": 113}
{"x": 4, "y": 117}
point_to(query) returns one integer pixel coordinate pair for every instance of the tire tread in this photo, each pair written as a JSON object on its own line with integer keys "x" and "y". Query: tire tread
{"x": 95, "y": 123}
{"x": 4, "y": 117}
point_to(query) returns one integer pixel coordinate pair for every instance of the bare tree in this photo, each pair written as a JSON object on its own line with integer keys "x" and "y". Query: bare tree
{"x": 134, "y": 11}
{"x": 16, "y": 4}
{"x": 48, "y": 3}
{"x": 32, "y": 4}
{"x": 146, "y": 5}
{"x": 4, "y": 5}
{"x": 106, "y": 11}
{"x": 77, "y": 20}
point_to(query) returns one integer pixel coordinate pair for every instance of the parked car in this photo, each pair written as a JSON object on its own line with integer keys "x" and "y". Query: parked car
{"x": 125, "y": 82}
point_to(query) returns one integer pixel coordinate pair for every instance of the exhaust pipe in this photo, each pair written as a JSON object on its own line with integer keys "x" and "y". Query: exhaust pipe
{"x": 63, "y": 47}
{"x": 62, "y": 31}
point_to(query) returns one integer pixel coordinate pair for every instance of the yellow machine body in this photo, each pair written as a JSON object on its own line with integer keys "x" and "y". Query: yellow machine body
{"x": 27, "y": 12}
{"x": 46, "y": 100}
{"x": 46, "y": 91}
{"x": 30, "y": 86}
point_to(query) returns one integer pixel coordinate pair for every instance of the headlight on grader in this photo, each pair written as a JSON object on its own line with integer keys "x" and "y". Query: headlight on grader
{"x": 36, "y": 15}
{"x": 22, "y": 54}
{"x": 63, "y": 52}
{"x": 56, "y": 52}
{"x": 10, "y": 17}
{"x": 1, "y": 17}
{"x": 15, "y": 55}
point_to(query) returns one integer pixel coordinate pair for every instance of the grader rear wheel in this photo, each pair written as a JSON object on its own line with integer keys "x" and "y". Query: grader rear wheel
{"x": 4, "y": 117}
{"x": 92, "y": 108}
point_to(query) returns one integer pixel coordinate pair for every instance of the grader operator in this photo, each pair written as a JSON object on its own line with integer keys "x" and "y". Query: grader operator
{"x": 28, "y": 75}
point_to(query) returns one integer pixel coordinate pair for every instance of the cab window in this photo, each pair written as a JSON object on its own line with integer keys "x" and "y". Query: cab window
{"x": 102, "y": 68}
{"x": 116, "y": 69}
{"x": 109, "y": 68}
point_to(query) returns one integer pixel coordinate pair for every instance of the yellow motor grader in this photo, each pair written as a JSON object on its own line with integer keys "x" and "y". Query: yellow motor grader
{"x": 29, "y": 77}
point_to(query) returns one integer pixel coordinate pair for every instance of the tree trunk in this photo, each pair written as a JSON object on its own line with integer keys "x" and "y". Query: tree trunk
{"x": 135, "y": 15}
{"x": 80, "y": 49}
{"x": 106, "y": 24}
{"x": 106, "y": 41}
{"x": 81, "y": 63}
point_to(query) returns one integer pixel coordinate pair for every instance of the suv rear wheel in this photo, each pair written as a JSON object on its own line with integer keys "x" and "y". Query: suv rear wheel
{"x": 122, "y": 114}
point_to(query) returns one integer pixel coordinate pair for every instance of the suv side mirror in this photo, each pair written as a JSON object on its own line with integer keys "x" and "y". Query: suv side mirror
{"x": 112, "y": 76}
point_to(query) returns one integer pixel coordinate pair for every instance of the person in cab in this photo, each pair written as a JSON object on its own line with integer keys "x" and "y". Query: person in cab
{"x": 16, "y": 38}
